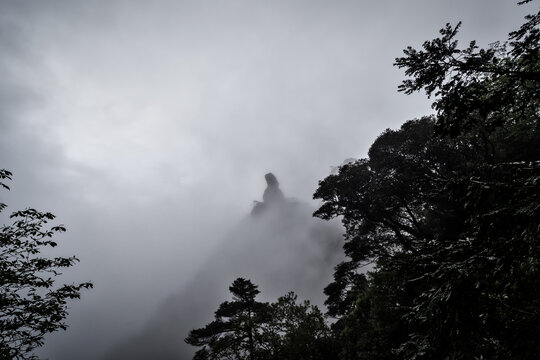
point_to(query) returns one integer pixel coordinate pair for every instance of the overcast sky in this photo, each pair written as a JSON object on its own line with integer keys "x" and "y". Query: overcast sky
{"x": 147, "y": 126}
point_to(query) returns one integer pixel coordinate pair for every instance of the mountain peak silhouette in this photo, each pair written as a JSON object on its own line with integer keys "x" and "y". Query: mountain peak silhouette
{"x": 272, "y": 195}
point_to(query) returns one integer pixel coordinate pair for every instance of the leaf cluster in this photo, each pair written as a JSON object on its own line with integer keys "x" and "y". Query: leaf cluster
{"x": 474, "y": 87}
{"x": 248, "y": 329}
{"x": 30, "y": 303}
{"x": 444, "y": 212}
{"x": 442, "y": 226}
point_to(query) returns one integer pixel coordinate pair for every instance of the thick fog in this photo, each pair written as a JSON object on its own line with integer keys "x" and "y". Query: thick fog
{"x": 147, "y": 127}
{"x": 280, "y": 247}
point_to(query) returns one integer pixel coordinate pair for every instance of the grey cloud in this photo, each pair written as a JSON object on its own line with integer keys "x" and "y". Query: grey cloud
{"x": 147, "y": 126}
{"x": 281, "y": 249}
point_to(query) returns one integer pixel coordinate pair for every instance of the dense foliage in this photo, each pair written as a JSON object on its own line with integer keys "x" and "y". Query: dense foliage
{"x": 248, "y": 329}
{"x": 442, "y": 219}
{"x": 30, "y": 305}
{"x": 447, "y": 211}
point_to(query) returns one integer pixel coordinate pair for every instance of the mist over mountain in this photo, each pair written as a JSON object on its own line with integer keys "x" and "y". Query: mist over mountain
{"x": 279, "y": 246}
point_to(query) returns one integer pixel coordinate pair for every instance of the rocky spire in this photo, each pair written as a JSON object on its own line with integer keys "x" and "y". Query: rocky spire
{"x": 272, "y": 195}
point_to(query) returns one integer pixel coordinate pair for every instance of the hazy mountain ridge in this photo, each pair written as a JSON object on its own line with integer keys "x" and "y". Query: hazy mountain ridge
{"x": 280, "y": 247}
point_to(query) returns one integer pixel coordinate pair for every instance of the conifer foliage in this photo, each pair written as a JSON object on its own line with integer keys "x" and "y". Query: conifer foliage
{"x": 248, "y": 329}
{"x": 235, "y": 331}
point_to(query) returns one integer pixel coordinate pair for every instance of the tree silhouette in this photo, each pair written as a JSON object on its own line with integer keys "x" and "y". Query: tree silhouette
{"x": 446, "y": 210}
{"x": 247, "y": 329}
{"x": 298, "y": 331}
{"x": 30, "y": 305}
{"x": 235, "y": 332}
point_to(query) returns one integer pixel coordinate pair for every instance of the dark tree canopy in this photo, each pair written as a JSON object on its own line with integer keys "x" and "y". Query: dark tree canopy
{"x": 442, "y": 226}
{"x": 446, "y": 212}
{"x": 480, "y": 89}
{"x": 235, "y": 332}
{"x": 298, "y": 331}
{"x": 30, "y": 303}
{"x": 247, "y": 329}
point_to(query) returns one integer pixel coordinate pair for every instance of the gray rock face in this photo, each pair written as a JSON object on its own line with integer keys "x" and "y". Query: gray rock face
{"x": 272, "y": 193}
{"x": 272, "y": 196}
